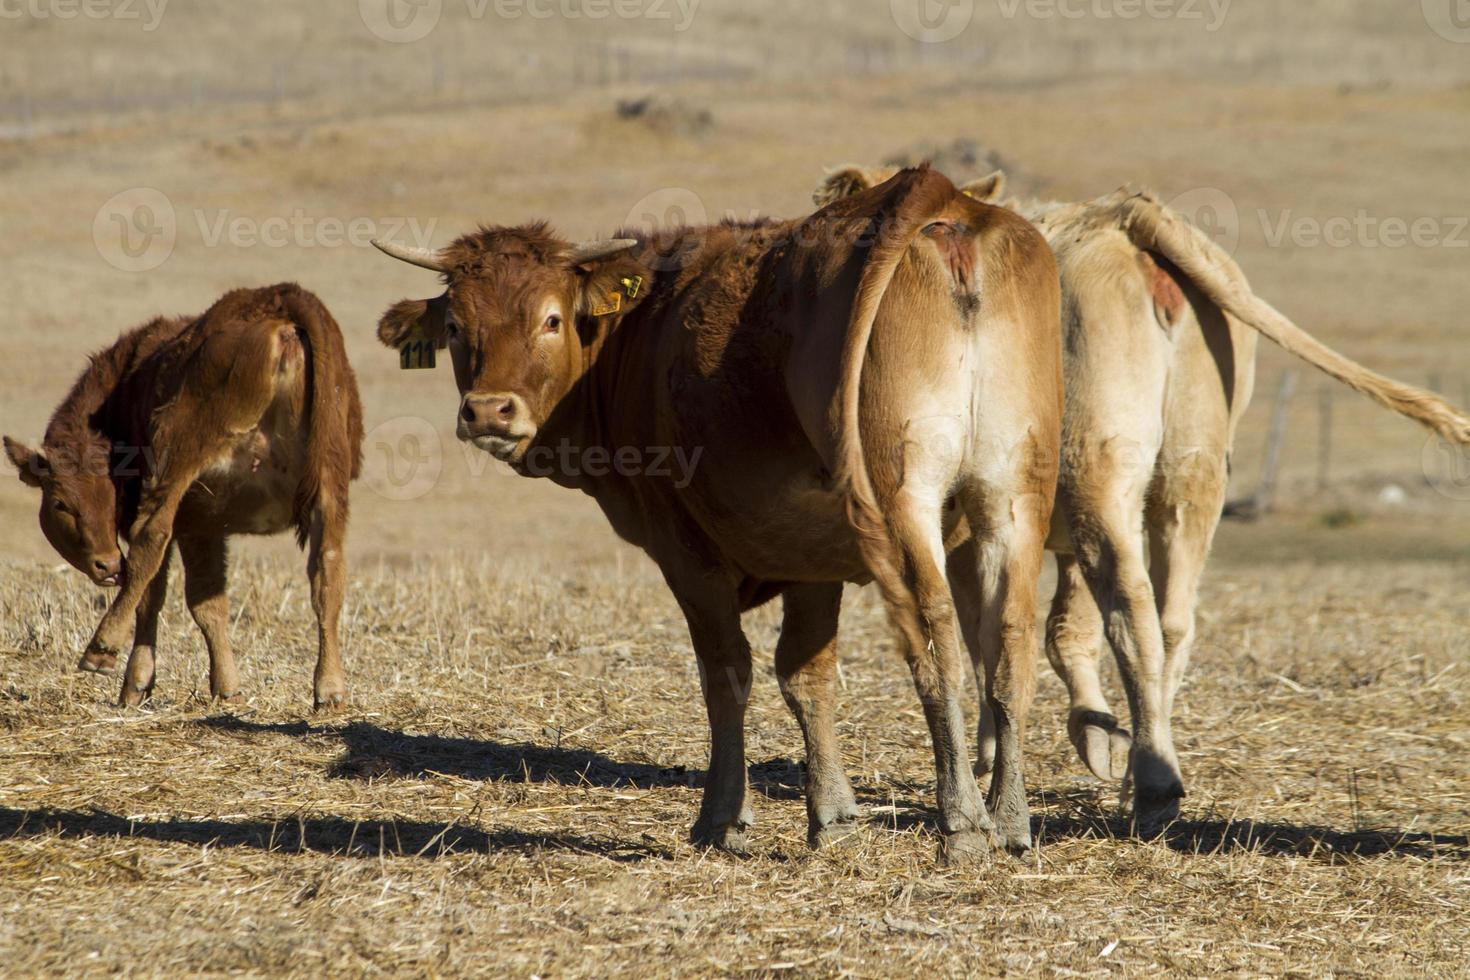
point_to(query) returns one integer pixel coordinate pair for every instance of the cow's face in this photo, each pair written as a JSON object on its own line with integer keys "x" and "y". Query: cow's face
{"x": 78, "y": 506}
{"x": 522, "y": 316}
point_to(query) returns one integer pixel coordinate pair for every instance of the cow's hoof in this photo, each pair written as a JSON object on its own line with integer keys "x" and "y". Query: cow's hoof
{"x": 326, "y": 703}
{"x": 1102, "y": 744}
{"x": 98, "y": 661}
{"x": 1153, "y": 811}
{"x": 832, "y": 833}
{"x": 133, "y": 697}
{"x": 727, "y": 837}
{"x": 226, "y": 697}
{"x": 964, "y": 847}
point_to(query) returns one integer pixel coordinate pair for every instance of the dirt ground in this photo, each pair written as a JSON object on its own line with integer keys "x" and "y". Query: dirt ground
{"x": 510, "y": 788}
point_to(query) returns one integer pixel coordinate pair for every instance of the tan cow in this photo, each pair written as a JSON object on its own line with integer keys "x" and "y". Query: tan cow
{"x": 1160, "y": 327}
{"x": 244, "y": 420}
{"x": 808, "y": 367}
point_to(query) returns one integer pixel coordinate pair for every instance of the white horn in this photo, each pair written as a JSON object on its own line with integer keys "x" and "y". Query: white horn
{"x": 587, "y": 251}
{"x": 424, "y": 258}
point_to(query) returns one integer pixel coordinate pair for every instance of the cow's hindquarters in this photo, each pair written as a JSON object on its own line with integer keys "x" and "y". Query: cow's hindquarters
{"x": 960, "y": 408}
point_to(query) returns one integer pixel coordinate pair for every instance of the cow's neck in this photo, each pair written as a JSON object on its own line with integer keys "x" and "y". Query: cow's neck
{"x": 585, "y": 418}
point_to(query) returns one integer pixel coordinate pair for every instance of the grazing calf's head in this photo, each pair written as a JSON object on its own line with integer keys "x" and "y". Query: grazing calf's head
{"x": 523, "y": 315}
{"x": 78, "y": 504}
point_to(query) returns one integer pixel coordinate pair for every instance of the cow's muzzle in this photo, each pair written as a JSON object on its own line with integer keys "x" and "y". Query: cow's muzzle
{"x": 106, "y": 569}
{"x": 498, "y": 423}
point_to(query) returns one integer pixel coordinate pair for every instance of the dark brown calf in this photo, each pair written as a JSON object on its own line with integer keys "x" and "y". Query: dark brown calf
{"x": 244, "y": 420}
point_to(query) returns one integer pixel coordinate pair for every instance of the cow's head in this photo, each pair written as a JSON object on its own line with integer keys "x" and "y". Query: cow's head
{"x": 523, "y": 315}
{"x": 850, "y": 179}
{"x": 78, "y": 505}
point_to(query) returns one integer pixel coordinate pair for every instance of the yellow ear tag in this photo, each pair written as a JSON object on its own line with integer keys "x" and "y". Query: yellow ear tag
{"x": 417, "y": 352}
{"x": 614, "y": 304}
{"x": 630, "y": 284}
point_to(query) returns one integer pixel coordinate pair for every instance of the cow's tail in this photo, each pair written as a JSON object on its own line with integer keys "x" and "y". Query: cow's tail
{"x": 898, "y": 228}
{"x": 334, "y": 439}
{"x": 1154, "y": 227}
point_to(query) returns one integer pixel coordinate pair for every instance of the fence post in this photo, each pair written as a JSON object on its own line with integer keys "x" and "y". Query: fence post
{"x": 1324, "y": 436}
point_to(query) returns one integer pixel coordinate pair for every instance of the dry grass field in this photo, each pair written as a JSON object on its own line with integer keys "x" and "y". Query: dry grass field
{"x": 509, "y": 789}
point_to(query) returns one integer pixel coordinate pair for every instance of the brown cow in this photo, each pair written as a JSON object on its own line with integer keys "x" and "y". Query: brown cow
{"x": 245, "y": 420}
{"x": 1161, "y": 330}
{"x": 809, "y": 367}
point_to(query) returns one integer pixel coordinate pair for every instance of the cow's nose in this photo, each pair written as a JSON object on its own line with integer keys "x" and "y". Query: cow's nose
{"x": 488, "y": 414}
{"x": 108, "y": 568}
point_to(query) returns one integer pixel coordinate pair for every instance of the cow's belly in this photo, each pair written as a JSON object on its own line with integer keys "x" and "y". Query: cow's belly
{"x": 776, "y": 521}
{"x": 251, "y": 489}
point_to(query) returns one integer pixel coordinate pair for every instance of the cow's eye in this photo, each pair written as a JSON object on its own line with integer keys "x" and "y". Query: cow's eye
{"x": 451, "y": 328}
{"x": 58, "y": 506}
{"x": 553, "y": 323}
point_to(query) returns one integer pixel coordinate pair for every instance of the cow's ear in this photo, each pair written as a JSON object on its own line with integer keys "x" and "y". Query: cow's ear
{"x": 32, "y": 463}
{"x": 611, "y": 285}
{"x": 986, "y": 189}
{"x": 412, "y": 318}
{"x": 844, "y": 181}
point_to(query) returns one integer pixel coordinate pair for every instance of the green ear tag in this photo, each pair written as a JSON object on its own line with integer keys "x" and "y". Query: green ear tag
{"x": 417, "y": 353}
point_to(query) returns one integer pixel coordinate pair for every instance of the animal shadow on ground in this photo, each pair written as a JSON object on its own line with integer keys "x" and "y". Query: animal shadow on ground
{"x": 372, "y": 751}
{"x": 1207, "y": 837}
{"x": 332, "y": 835}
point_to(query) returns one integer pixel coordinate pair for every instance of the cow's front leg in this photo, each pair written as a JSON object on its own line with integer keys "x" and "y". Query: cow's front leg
{"x": 209, "y": 603}
{"x": 806, "y": 665}
{"x": 139, "y": 676}
{"x": 150, "y": 546}
{"x": 713, "y": 614}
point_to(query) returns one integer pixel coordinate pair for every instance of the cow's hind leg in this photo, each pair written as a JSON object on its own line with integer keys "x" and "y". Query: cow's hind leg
{"x": 205, "y": 582}
{"x": 1009, "y": 545}
{"x": 327, "y": 568}
{"x": 139, "y": 676}
{"x": 1074, "y": 640}
{"x": 1108, "y": 532}
{"x": 926, "y": 621}
{"x": 806, "y": 662}
{"x": 1184, "y": 511}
